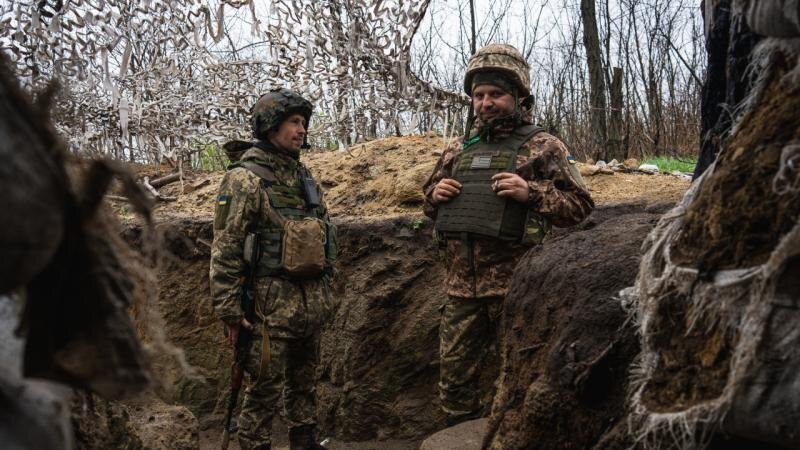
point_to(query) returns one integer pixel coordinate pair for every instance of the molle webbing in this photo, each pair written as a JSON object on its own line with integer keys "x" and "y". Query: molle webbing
{"x": 270, "y": 261}
{"x": 477, "y": 210}
{"x": 286, "y": 203}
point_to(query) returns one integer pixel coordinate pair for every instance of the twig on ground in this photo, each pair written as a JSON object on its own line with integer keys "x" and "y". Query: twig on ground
{"x": 165, "y": 180}
{"x": 155, "y": 193}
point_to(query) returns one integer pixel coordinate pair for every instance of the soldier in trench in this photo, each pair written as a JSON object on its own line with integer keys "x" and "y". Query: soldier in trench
{"x": 268, "y": 197}
{"x": 494, "y": 194}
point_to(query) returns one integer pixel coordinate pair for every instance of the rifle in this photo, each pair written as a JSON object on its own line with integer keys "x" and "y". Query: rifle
{"x": 243, "y": 340}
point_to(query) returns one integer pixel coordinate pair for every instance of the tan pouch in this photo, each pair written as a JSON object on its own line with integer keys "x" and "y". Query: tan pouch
{"x": 304, "y": 247}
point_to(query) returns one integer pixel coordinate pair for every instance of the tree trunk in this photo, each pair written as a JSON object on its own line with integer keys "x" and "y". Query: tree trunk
{"x": 729, "y": 42}
{"x": 591, "y": 42}
{"x": 615, "y": 148}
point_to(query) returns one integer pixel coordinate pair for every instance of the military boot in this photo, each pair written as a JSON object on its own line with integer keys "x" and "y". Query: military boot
{"x": 302, "y": 438}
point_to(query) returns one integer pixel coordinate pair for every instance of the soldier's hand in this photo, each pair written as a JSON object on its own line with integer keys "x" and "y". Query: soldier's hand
{"x": 446, "y": 190}
{"x": 506, "y": 184}
{"x": 233, "y": 333}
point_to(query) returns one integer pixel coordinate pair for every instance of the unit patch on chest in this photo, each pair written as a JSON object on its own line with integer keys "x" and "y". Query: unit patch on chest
{"x": 481, "y": 162}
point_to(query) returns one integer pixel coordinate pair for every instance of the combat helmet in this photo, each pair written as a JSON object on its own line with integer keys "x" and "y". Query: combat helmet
{"x": 274, "y": 107}
{"x": 503, "y": 58}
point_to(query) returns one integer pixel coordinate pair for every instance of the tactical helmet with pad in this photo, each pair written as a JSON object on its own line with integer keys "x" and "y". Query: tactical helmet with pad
{"x": 502, "y": 58}
{"x": 274, "y": 107}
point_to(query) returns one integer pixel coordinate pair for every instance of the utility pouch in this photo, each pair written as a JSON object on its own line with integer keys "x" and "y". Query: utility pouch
{"x": 331, "y": 244}
{"x": 304, "y": 247}
{"x": 536, "y": 229}
{"x": 573, "y": 171}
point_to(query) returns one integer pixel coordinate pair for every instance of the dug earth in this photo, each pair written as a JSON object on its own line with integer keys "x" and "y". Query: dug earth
{"x": 376, "y": 383}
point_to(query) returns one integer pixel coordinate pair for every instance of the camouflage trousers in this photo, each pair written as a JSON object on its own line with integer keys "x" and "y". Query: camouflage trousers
{"x": 290, "y": 375}
{"x": 467, "y": 331}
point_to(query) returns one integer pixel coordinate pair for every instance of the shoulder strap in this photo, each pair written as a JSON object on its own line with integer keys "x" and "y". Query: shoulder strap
{"x": 269, "y": 176}
{"x": 263, "y": 172}
{"x": 522, "y": 134}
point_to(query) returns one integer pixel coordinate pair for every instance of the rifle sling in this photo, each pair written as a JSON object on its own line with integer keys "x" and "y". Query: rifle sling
{"x": 263, "y": 366}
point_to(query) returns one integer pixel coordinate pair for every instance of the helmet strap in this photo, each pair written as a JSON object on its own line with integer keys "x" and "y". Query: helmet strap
{"x": 470, "y": 121}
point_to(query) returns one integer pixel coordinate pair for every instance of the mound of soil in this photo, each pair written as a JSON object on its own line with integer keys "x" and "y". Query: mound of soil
{"x": 568, "y": 344}
{"x": 385, "y": 177}
{"x": 143, "y": 423}
{"x": 751, "y": 200}
{"x": 716, "y": 295}
{"x": 378, "y": 177}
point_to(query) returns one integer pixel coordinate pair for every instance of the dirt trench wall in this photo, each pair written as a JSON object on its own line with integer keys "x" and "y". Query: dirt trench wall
{"x": 379, "y": 355}
{"x": 717, "y": 285}
{"x": 568, "y": 344}
{"x": 567, "y": 351}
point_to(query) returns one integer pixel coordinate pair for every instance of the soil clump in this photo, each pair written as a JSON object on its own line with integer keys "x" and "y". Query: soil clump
{"x": 752, "y": 198}
{"x": 142, "y": 423}
{"x": 568, "y": 344}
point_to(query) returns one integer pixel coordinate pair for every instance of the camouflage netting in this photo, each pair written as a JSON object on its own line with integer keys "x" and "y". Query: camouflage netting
{"x": 716, "y": 297}
{"x": 155, "y": 78}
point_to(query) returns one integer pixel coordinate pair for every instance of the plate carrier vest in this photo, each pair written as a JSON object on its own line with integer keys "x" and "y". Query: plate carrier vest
{"x": 477, "y": 210}
{"x": 288, "y": 202}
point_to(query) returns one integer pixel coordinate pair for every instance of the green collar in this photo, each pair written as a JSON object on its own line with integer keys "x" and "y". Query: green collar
{"x": 471, "y": 141}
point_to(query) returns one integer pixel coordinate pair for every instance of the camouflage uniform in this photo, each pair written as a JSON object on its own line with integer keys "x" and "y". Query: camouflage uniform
{"x": 289, "y": 312}
{"x": 476, "y": 285}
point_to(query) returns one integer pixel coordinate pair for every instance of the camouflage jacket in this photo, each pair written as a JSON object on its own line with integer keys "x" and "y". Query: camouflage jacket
{"x": 288, "y": 308}
{"x": 553, "y": 193}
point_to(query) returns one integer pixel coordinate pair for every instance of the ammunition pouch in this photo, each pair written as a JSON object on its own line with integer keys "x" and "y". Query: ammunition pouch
{"x": 303, "y": 253}
{"x": 302, "y": 249}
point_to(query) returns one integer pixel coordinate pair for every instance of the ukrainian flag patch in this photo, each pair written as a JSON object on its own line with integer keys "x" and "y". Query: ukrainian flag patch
{"x": 571, "y": 159}
{"x": 221, "y": 214}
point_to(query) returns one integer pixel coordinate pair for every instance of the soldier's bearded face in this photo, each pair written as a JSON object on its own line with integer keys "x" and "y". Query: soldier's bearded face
{"x": 490, "y": 102}
{"x": 290, "y": 133}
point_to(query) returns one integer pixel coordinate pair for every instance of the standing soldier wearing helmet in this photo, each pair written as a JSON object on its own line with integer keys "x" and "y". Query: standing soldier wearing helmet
{"x": 494, "y": 194}
{"x": 274, "y": 245}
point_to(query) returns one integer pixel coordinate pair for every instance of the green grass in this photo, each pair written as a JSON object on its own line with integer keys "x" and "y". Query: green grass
{"x": 667, "y": 164}
{"x": 211, "y": 157}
